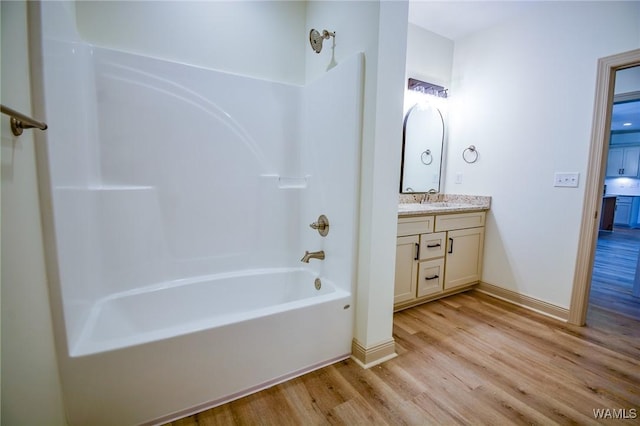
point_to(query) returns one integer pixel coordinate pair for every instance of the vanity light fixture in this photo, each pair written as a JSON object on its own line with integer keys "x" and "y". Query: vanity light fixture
{"x": 427, "y": 88}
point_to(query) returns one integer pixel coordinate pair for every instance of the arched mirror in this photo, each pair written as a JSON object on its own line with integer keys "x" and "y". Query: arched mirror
{"x": 422, "y": 141}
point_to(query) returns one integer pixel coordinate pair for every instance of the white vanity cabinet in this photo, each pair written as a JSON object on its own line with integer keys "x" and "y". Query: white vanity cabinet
{"x": 437, "y": 255}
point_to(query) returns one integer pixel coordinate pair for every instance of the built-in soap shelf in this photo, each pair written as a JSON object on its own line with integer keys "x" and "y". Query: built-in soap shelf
{"x": 288, "y": 182}
{"x": 106, "y": 188}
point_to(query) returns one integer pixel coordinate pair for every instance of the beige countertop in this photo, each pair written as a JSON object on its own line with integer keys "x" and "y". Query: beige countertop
{"x": 421, "y": 204}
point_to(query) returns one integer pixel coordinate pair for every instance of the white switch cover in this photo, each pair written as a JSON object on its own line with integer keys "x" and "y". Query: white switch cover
{"x": 458, "y": 178}
{"x": 566, "y": 179}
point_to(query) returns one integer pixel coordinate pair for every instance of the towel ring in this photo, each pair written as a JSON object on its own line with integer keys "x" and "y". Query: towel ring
{"x": 473, "y": 154}
{"x": 427, "y": 154}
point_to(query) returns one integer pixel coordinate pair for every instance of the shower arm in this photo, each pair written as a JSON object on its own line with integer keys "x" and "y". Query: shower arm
{"x": 19, "y": 121}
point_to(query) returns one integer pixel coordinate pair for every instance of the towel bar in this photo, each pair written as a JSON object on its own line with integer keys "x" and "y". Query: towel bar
{"x": 19, "y": 121}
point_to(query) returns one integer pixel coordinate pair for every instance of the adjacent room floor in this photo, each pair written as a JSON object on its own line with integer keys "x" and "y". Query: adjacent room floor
{"x": 466, "y": 359}
{"x": 614, "y": 271}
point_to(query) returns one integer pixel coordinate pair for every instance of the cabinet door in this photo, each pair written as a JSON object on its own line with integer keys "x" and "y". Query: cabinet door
{"x": 630, "y": 161}
{"x": 623, "y": 162}
{"x": 464, "y": 257}
{"x": 623, "y": 214}
{"x": 430, "y": 277}
{"x": 406, "y": 269}
{"x": 614, "y": 161}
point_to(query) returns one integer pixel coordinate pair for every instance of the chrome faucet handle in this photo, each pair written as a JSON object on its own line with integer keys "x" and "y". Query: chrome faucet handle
{"x": 321, "y": 225}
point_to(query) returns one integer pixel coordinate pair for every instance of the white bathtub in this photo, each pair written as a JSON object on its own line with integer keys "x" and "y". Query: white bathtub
{"x": 194, "y": 344}
{"x": 185, "y": 306}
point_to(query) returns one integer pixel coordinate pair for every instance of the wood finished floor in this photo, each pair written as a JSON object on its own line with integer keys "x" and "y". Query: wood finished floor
{"x": 614, "y": 271}
{"x": 467, "y": 359}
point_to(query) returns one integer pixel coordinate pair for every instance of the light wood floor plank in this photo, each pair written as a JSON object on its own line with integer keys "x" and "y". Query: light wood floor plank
{"x": 221, "y": 417}
{"x": 517, "y": 411}
{"x": 504, "y": 368}
{"x": 303, "y": 404}
{"x": 467, "y": 359}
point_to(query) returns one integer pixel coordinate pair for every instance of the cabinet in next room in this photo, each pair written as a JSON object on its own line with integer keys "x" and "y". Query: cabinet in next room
{"x": 437, "y": 255}
{"x": 626, "y": 212}
{"x": 623, "y": 162}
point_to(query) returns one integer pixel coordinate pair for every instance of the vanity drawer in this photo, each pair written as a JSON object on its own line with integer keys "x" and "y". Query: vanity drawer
{"x": 415, "y": 225}
{"x": 432, "y": 245}
{"x": 430, "y": 277}
{"x": 459, "y": 221}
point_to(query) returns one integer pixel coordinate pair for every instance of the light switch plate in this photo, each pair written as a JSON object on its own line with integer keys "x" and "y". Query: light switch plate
{"x": 567, "y": 180}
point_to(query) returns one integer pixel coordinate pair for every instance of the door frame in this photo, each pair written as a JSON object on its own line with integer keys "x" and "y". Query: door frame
{"x": 598, "y": 152}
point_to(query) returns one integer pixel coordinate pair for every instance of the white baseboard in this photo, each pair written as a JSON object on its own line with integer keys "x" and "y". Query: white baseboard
{"x": 528, "y": 302}
{"x": 377, "y": 354}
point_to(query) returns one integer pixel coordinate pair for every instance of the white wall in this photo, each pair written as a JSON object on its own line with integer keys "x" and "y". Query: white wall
{"x": 30, "y": 385}
{"x": 429, "y": 56}
{"x": 263, "y": 39}
{"x": 352, "y": 35}
{"x": 378, "y": 30}
{"x": 522, "y": 93}
{"x": 627, "y": 80}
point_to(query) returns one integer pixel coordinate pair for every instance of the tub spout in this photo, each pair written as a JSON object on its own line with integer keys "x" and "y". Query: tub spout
{"x": 313, "y": 255}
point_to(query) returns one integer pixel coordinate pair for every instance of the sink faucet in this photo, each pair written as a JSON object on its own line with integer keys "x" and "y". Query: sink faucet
{"x": 313, "y": 255}
{"x": 430, "y": 195}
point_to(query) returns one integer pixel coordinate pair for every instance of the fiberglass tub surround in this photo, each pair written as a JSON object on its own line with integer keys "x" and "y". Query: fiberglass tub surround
{"x": 185, "y": 183}
{"x": 182, "y": 198}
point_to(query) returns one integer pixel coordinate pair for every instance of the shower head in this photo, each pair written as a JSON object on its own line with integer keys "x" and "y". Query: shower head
{"x": 315, "y": 38}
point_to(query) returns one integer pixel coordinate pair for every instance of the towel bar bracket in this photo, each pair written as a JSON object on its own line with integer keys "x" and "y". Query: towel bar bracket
{"x": 17, "y": 126}
{"x": 19, "y": 121}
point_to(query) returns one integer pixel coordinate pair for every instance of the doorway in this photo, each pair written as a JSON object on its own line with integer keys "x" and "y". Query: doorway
{"x": 615, "y": 273}
{"x": 592, "y": 210}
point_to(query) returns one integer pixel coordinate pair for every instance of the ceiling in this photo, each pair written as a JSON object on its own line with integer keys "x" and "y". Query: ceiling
{"x": 628, "y": 112}
{"x": 457, "y": 19}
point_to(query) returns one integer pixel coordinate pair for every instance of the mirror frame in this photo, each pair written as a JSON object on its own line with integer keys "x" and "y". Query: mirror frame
{"x": 404, "y": 142}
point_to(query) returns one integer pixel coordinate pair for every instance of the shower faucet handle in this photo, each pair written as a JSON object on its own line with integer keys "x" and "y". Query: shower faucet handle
{"x": 321, "y": 225}
{"x": 318, "y": 225}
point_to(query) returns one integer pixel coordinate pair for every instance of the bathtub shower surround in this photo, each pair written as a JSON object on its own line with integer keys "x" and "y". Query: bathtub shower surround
{"x": 181, "y": 199}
